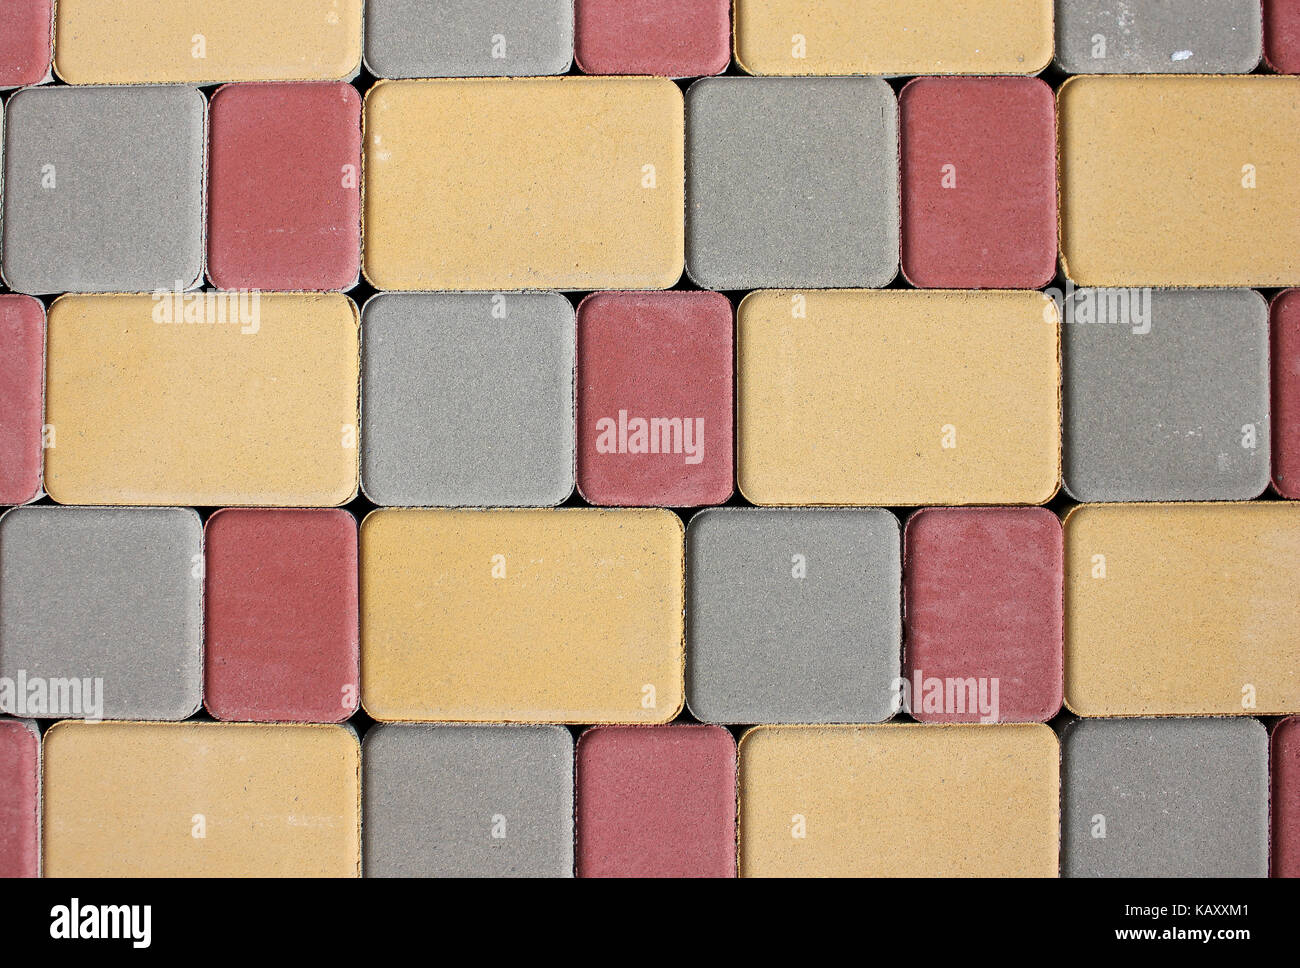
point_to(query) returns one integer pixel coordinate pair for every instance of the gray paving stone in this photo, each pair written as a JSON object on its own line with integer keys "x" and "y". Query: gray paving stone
{"x": 793, "y": 615}
{"x": 1164, "y": 798}
{"x": 468, "y": 38}
{"x": 103, "y": 189}
{"x": 467, "y": 801}
{"x": 467, "y": 399}
{"x": 1173, "y": 406}
{"x": 1159, "y": 36}
{"x": 105, "y": 593}
{"x": 792, "y": 182}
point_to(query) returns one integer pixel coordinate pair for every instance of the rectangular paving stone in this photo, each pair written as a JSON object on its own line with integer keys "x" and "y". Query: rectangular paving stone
{"x": 26, "y": 42}
{"x": 201, "y": 800}
{"x": 1164, "y": 798}
{"x": 1158, "y": 37}
{"x": 468, "y": 399}
{"x": 940, "y": 398}
{"x": 568, "y": 183}
{"x": 887, "y": 37}
{"x": 899, "y": 801}
{"x": 979, "y": 182}
{"x": 1182, "y": 609}
{"x": 1165, "y": 395}
{"x": 668, "y": 38}
{"x": 281, "y": 638}
{"x": 1282, "y": 35}
{"x": 101, "y": 612}
{"x": 1153, "y": 168}
{"x": 791, "y": 182}
{"x": 1285, "y": 360}
{"x": 284, "y": 187}
{"x": 656, "y": 801}
{"x": 468, "y": 38}
{"x": 22, "y": 397}
{"x": 982, "y": 589}
{"x": 1285, "y": 798}
{"x": 203, "y": 399}
{"x": 655, "y": 398}
{"x": 103, "y": 189}
{"x": 206, "y": 41}
{"x": 468, "y": 801}
{"x": 794, "y": 615}
{"x": 20, "y": 798}
{"x": 560, "y": 616}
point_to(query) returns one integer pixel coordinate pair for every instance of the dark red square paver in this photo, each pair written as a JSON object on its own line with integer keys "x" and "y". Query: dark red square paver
{"x": 982, "y": 600}
{"x": 19, "y": 797}
{"x": 284, "y": 187}
{"x": 26, "y": 41}
{"x": 22, "y": 365}
{"x": 1285, "y": 353}
{"x": 669, "y": 38}
{"x": 1285, "y": 759}
{"x": 281, "y": 615}
{"x": 655, "y": 398}
{"x": 1282, "y": 35}
{"x": 979, "y": 182}
{"x": 656, "y": 801}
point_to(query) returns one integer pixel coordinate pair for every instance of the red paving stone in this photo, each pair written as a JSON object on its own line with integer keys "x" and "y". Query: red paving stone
{"x": 982, "y": 599}
{"x": 989, "y": 220}
{"x": 1286, "y": 798}
{"x": 656, "y": 801}
{"x": 281, "y": 615}
{"x": 26, "y": 41}
{"x": 22, "y": 366}
{"x": 284, "y": 197}
{"x": 19, "y": 798}
{"x": 670, "y": 38}
{"x": 647, "y": 356}
{"x": 1282, "y": 35}
{"x": 1285, "y": 353}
